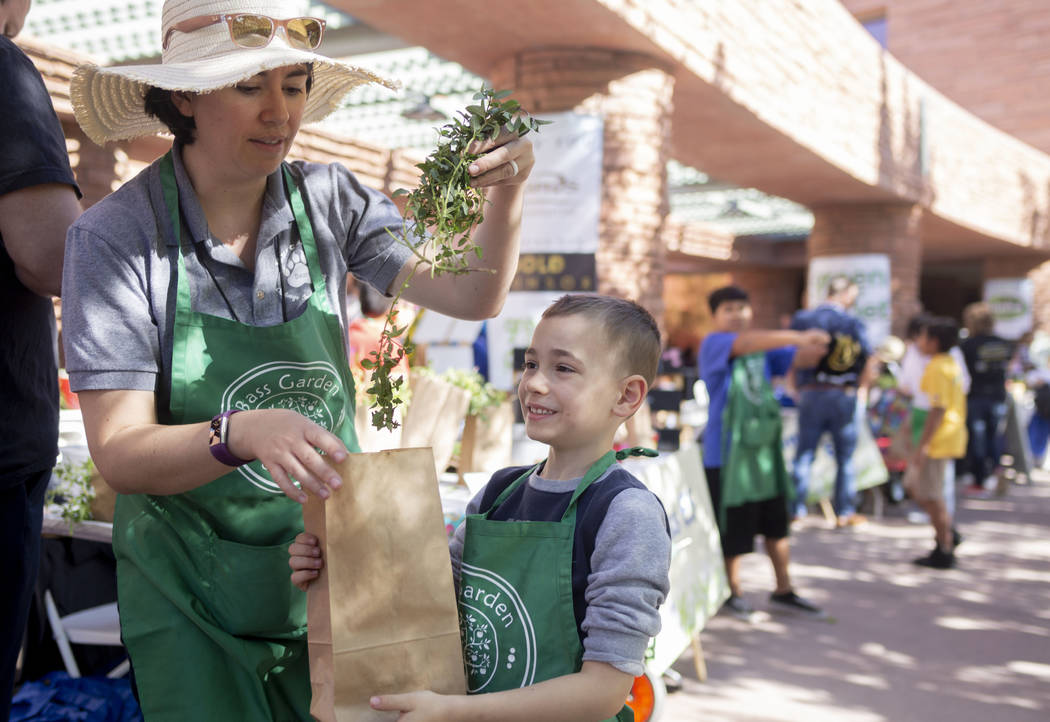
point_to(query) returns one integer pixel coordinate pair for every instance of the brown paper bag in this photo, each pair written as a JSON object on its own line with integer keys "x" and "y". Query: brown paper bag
{"x": 434, "y": 416}
{"x": 487, "y": 439}
{"x": 382, "y": 613}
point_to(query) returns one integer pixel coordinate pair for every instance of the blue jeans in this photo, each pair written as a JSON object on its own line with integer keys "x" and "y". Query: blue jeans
{"x": 986, "y": 423}
{"x": 1038, "y": 435}
{"x": 835, "y": 412}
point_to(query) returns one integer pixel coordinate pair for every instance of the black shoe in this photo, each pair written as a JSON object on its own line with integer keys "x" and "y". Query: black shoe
{"x": 937, "y": 559}
{"x": 739, "y": 607}
{"x": 957, "y": 538}
{"x": 792, "y": 601}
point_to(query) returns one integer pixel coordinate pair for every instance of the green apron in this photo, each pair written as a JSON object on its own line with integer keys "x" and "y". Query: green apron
{"x": 515, "y": 596}
{"x": 753, "y": 466}
{"x": 213, "y": 624}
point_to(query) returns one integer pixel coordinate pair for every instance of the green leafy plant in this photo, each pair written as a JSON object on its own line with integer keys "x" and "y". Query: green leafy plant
{"x": 441, "y": 213}
{"x": 74, "y": 491}
{"x": 483, "y": 395}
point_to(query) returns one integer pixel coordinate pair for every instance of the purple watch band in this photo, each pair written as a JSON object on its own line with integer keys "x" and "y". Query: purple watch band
{"x": 220, "y": 427}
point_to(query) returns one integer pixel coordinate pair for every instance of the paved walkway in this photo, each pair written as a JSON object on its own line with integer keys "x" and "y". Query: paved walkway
{"x": 970, "y": 644}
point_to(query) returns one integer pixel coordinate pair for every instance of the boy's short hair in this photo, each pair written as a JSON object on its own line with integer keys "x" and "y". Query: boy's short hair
{"x": 725, "y": 295}
{"x": 944, "y": 330}
{"x": 629, "y": 328}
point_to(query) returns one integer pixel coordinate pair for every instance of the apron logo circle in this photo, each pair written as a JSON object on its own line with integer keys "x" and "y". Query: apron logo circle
{"x": 496, "y": 630}
{"x": 313, "y": 390}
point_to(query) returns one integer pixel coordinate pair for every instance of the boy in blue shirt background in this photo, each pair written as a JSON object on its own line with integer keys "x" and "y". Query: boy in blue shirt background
{"x": 751, "y": 491}
{"x": 581, "y": 541}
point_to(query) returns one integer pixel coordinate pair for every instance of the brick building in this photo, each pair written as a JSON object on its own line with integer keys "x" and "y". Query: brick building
{"x": 929, "y": 150}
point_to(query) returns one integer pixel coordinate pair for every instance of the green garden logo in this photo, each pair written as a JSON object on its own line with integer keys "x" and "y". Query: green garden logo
{"x": 496, "y": 630}
{"x": 313, "y": 389}
{"x": 1006, "y": 308}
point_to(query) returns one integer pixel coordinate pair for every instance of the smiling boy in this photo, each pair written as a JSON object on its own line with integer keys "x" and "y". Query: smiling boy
{"x": 577, "y": 539}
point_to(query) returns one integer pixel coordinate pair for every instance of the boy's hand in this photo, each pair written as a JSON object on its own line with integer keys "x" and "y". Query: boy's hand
{"x": 305, "y": 560}
{"x": 417, "y": 706}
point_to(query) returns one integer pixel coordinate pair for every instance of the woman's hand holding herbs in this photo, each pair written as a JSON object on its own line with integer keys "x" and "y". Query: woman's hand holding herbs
{"x": 506, "y": 159}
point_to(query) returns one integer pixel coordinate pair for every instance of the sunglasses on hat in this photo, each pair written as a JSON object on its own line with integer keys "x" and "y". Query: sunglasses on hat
{"x": 256, "y": 31}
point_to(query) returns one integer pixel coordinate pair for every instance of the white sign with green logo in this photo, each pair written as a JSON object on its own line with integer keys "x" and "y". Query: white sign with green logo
{"x": 1011, "y": 302}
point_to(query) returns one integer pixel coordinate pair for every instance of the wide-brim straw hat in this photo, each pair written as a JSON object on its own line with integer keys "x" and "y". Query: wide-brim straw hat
{"x": 108, "y": 101}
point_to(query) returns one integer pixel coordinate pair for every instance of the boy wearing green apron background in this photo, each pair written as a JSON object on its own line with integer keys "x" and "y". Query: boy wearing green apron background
{"x": 561, "y": 567}
{"x": 743, "y": 453}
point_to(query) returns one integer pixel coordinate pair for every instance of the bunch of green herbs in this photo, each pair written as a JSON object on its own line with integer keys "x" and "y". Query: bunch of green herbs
{"x": 441, "y": 213}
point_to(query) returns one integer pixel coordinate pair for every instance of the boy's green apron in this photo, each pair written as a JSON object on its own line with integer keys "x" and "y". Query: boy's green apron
{"x": 213, "y": 624}
{"x": 515, "y": 596}
{"x": 753, "y": 466}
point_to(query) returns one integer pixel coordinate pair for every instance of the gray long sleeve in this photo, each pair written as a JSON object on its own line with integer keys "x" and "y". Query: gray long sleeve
{"x": 628, "y": 582}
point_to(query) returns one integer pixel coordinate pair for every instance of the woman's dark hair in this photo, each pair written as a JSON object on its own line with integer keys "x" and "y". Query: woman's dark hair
{"x": 158, "y": 103}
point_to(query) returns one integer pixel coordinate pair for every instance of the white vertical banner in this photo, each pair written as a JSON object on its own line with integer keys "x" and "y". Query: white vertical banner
{"x": 559, "y": 235}
{"x": 563, "y": 195}
{"x": 513, "y": 329}
{"x": 1011, "y": 300}
{"x": 871, "y": 273}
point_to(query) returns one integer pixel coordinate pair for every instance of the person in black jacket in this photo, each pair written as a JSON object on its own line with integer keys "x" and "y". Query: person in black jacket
{"x": 38, "y": 201}
{"x": 987, "y": 358}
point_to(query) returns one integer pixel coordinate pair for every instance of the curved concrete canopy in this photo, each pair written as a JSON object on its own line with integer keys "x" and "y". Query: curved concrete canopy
{"x": 793, "y": 98}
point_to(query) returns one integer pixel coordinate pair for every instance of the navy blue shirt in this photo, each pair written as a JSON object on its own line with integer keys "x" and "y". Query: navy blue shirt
{"x": 847, "y": 353}
{"x": 32, "y": 152}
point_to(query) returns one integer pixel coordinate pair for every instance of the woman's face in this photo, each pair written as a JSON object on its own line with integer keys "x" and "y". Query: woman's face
{"x": 245, "y": 131}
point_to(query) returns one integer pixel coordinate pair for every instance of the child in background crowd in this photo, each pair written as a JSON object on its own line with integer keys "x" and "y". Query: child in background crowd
{"x": 751, "y": 491}
{"x": 943, "y": 437}
{"x": 578, "y": 515}
{"x": 913, "y": 366}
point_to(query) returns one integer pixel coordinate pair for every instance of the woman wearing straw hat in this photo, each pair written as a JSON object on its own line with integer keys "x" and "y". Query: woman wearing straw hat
{"x": 203, "y": 336}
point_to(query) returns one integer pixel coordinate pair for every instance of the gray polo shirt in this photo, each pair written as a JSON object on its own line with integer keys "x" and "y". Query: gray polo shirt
{"x": 118, "y": 289}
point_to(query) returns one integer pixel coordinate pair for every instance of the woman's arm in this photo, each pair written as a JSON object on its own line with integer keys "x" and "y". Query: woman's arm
{"x": 598, "y": 691}
{"x": 480, "y": 295}
{"x": 137, "y": 455}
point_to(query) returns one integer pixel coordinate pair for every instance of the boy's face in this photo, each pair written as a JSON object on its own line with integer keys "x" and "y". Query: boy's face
{"x": 570, "y": 384}
{"x": 733, "y": 316}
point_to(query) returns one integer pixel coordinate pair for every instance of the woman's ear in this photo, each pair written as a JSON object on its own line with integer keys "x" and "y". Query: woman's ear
{"x": 182, "y": 103}
{"x": 633, "y": 390}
